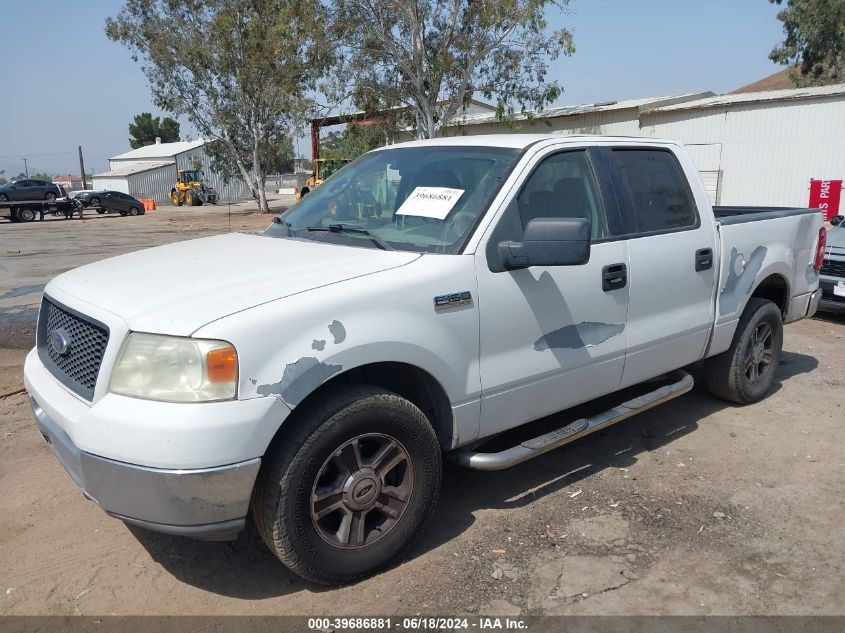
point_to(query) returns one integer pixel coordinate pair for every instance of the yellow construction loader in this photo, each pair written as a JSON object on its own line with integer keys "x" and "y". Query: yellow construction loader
{"x": 191, "y": 189}
{"x": 323, "y": 168}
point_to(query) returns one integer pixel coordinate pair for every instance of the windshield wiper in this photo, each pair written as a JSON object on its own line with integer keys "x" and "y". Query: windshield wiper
{"x": 343, "y": 228}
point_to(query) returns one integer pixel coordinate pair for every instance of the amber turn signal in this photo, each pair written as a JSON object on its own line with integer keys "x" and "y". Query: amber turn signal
{"x": 222, "y": 364}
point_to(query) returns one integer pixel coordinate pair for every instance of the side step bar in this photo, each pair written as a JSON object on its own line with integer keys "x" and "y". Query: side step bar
{"x": 683, "y": 382}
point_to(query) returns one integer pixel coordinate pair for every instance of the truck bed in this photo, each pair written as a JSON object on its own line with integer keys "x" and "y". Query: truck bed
{"x": 739, "y": 214}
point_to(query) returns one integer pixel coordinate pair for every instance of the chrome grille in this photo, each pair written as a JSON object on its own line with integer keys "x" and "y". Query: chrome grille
{"x": 78, "y": 365}
{"x": 833, "y": 268}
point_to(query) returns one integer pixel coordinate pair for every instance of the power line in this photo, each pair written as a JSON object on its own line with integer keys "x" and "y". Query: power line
{"x": 28, "y": 155}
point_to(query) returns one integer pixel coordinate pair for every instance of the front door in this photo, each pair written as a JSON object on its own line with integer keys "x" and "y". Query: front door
{"x": 552, "y": 337}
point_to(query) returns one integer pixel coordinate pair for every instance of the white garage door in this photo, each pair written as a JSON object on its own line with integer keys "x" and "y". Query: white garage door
{"x": 711, "y": 184}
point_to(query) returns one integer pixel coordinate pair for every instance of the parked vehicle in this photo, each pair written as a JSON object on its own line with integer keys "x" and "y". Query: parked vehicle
{"x": 29, "y": 189}
{"x": 192, "y": 188}
{"x": 89, "y": 198}
{"x": 117, "y": 201}
{"x": 832, "y": 279}
{"x": 429, "y": 296}
{"x": 27, "y": 211}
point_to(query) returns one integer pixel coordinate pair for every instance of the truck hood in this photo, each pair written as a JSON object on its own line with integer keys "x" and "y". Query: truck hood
{"x": 836, "y": 237}
{"x": 178, "y": 288}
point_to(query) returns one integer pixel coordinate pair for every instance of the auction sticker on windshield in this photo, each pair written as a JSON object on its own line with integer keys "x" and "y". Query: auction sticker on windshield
{"x": 430, "y": 202}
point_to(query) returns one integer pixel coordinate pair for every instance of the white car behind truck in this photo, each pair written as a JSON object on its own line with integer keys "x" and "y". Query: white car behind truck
{"x": 429, "y": 296}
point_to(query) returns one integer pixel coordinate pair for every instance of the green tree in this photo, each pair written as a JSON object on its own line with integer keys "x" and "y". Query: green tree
{"x": 241, "y": 71}
{"x": 354, "y": 140}
{"x": 431, "y": 57}
{"x": 42, "y": 176}
{"x": 814, "y": 42}
{"x": 145, "y": 128}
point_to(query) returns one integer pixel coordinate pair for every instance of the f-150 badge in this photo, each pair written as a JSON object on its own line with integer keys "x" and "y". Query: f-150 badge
{"x": 444, "y": 302}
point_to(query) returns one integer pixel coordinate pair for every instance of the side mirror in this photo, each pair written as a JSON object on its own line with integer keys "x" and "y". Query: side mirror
{"x": 549, "y": 242}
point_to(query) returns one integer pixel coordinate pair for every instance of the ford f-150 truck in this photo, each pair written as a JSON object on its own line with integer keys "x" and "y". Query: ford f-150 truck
{"x": 426, "y": 298}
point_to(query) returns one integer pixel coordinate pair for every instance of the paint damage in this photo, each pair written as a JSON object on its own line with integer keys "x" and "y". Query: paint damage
{"x": 299, "y": 379}
{"x": 584, "y": 334}
{"x": 337, "y": 331}
{"x": 318, "y": 345}
{"x": 741, "y": 277}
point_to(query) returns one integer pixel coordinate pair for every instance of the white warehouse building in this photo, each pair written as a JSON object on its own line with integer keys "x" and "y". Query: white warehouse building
{"x": 759, "y": 148}
{"x": 150, "y": 172}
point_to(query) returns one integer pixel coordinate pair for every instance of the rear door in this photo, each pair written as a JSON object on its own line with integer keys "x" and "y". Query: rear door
{"x": 552, "y": 336}
{"x": 672, "y": 249}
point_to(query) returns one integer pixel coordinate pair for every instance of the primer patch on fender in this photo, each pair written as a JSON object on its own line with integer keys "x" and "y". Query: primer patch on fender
{"x": 299, "y": 379}
{"x": 740, "y": 279}
{"x": 584, "y": 334}
{"x": 430, "y": 202}
{"x": 337, "y": 330}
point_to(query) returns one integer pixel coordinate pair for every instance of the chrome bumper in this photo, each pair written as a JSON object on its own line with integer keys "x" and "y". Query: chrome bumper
{"x": 207, "y": 503}
{"x": 813, "y": 305}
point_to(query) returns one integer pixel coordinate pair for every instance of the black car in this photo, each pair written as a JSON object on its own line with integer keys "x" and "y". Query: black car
{"x": 88, "y": 198}
{"x": 30, "y": 189}
{"x": 123, "y": 203}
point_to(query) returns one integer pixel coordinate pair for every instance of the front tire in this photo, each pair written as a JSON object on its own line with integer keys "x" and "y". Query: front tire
{"x": 744, "y": 373}
{"x": 133, "y": 211}
{"x": 347, "y": 487}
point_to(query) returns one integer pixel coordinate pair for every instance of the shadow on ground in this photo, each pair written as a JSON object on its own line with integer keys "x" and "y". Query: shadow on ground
{"x": 246, "y": 569}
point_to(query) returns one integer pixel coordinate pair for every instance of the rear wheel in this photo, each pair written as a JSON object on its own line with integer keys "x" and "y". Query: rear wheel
{"x": 94, "y": 202}
{"x": 174, "y": 198}
{"x": 744, "y": 373}
{"x": 350, "y": 484}
{"x": 4, "y": 197}
{"x": 26, "y": 215}
{"x": 50, "y": 196}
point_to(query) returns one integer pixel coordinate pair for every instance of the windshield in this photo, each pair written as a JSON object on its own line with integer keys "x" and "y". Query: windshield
{"x": 191, "y": 176}
{"x": 424, "y": 199}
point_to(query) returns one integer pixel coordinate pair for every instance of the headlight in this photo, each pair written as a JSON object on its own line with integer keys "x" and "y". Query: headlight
{"x": 175, "y": 369}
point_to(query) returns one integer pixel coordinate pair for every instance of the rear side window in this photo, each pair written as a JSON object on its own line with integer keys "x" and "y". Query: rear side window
{"x": 656, "y": 189}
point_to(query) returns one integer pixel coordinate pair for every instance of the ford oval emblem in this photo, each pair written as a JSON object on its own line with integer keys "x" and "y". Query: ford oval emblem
{"x": 60, "y": 341}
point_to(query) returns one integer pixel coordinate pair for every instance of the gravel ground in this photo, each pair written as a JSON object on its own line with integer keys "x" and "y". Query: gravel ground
{"x": 695, "y": 507}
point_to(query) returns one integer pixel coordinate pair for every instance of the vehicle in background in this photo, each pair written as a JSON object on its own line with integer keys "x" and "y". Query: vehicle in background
{"x": 836, "y": 220}
{"x": 323, "y": 168}
{"x": 30, "y": 189}
{"x": 88, "y": 197}
{"x": 832, "y": 276}
{"x": 120, "y": 202}
{"x": 192, "y": 189}
{"x": 425, "y": 300}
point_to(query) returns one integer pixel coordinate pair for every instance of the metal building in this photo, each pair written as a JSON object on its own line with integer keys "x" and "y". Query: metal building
{"x": 150, "y": 171}
{"x": 758, "y": 148}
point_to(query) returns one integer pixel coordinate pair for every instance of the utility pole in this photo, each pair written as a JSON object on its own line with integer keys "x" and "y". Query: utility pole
{"x": 82, "y": 168}
{"x": 25, "y": 168}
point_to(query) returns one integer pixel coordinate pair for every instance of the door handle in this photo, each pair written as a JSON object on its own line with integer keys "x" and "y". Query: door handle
{"x": 613, "y": 277}
{"x": 703, "y": 259}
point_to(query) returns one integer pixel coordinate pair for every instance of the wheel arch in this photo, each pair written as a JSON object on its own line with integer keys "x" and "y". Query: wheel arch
{"x": 404, "y": 379}
{"x": 775, "y": 288}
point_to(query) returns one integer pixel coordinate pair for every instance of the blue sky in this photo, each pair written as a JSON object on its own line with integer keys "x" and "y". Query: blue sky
{"x": 65, "y": 84}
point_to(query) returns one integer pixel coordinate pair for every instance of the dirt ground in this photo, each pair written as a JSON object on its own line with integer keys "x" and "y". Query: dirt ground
{"x": 695, "y": 507}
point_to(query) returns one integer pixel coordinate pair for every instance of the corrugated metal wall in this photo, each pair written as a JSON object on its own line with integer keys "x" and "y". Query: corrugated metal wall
{"x": 235, "y": 190}
{"x": 759, "y": 153}
{"x": 769, "y": 151}
{"x": 154, "y": 183}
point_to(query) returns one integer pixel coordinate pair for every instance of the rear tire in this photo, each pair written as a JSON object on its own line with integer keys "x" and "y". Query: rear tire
{"x": 26, "y": 215}
{"x": 50, "y": 196}
{"x": 363, "y": 448}
{"x": 94, "y": 202}
{"x": 4, "y": 197}
{"x": 744, "y": 373}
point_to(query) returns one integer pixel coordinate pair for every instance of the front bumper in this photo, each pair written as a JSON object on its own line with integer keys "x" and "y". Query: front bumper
{"x": 205, "y": 503}
{"x": 830, "y": 302}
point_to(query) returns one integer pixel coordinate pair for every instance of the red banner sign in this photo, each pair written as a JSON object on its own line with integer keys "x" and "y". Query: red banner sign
{"x": 824, "y": 195}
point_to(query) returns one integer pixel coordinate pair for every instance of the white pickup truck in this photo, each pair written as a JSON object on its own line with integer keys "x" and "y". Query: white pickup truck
{"x": 429, "y": 296}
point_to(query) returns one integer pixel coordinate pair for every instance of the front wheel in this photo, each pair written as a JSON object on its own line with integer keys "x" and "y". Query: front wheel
{"x": 133, "y": 211}
{"x": 345, "y": 490}
{"x": 744, "y": 373}
{"x": 4, "y": 197}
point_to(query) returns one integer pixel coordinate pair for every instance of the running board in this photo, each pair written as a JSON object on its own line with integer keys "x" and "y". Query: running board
{"x": 574, "y": 430}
